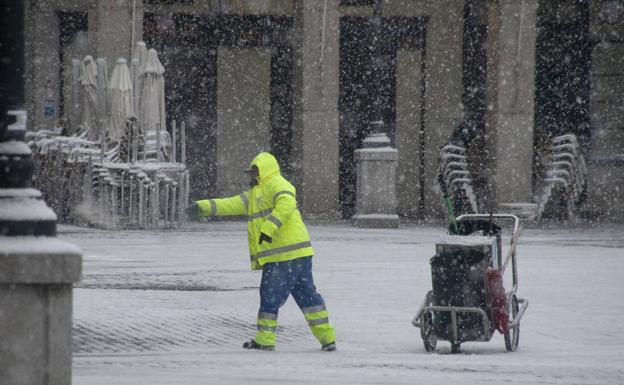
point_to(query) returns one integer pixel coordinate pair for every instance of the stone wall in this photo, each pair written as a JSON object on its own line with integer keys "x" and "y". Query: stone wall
{"x": 606, "y": 155}
{"x": 510, "y": 97}
{"x": 315, "y": 120}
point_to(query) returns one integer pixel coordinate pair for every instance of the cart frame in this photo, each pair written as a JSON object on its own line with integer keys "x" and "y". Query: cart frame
{"x": 517, "y": 306}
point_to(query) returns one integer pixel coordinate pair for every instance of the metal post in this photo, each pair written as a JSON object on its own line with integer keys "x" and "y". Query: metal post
{"x": 166, "y": 208}
{"x": 102, "y": 197}
{"x": 156, "y": 200}
{"x": 113, "y": 201}
{"x": 129, "y": 141}
{"x": 144, "y": 142}
{"x": 183, "y": 142}
{"x": 123, "y": 203}
{"x": 141, "y": 199}
{"x": 173, "y": 202}
{"x": 173, "y": 139}
{"x": 158, "y": 155}
{"x": 102, "y": 141}
{"x": 181, "y": 196}
{"x": 187, "y": 187}
{"x": 146, "y": 202}
{"x": 136, "y": 131}
{"x": 131, "y": 198}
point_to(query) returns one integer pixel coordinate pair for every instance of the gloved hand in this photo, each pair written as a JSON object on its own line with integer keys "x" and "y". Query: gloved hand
{"x": 264, "y": 238}
{"x": 192, "y": 212}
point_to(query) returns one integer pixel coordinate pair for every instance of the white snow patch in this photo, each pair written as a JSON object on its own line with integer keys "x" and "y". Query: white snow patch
{"x": 25, "y": 209}
{"x": 35, "y": 245}
{"x": 14, "y": 147}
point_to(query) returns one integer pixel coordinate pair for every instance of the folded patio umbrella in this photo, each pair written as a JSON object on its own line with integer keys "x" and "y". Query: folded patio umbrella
{"x": 152, "y": 102}
{"x": 88, "y": 82}
{"x": 122, "y": 106}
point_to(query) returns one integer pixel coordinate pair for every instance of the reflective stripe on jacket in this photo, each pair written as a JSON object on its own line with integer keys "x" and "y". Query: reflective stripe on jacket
{"x": 270, "y": 208}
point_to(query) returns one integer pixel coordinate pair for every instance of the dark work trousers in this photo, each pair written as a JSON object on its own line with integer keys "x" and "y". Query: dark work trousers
{"x": 281, "y": 279}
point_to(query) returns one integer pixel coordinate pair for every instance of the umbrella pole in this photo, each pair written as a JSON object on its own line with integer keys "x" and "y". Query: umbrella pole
{"x": 102, "y": 141}
{"x": 144, "y": 144}
{"x": 172, "y": 208}
{"x": 158, "y": 155}
{"x": 181, "y": 196}
{"x": 141, "y": 199}
{"x": 173, "y": 139}
{"x": 156, "y": 201}
{"x": 135, "y": 140}
{"x": 133, "y": 26}
{"x": 183, "y": 142}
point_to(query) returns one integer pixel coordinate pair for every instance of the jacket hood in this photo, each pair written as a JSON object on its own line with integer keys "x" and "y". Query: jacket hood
{"x": 267, "y": 166}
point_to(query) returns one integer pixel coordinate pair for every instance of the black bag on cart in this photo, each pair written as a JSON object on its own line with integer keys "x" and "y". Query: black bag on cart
{"x": 459, "y": 278}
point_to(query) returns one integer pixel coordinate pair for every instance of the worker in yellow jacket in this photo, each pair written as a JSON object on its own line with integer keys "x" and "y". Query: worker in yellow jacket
{"x": 280, "y": 246}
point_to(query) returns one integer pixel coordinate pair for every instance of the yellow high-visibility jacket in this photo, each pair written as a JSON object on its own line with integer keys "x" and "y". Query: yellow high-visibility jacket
{"x": 270, "y": 208}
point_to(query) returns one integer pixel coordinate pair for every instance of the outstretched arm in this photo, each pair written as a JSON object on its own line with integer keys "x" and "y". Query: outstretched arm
{"x": 236, "y": 205}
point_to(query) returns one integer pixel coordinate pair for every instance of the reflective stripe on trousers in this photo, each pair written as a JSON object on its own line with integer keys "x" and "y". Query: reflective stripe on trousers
{"x": 318, "y": 321}
{"x": 267, "y": 326}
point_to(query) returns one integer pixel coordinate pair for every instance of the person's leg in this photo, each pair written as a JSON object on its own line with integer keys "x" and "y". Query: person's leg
{"x": 312, "y": 304}
{"x": 277, "y": 283}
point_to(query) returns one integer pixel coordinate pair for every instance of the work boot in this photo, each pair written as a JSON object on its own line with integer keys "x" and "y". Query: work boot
{"x": 330, "y": 347}
{"x": 252, "y": 344}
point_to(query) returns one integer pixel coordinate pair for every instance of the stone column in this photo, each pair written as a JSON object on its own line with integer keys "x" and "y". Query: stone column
{"x": 315, "y": 106}
{"x": 37, "y": 272}
{"x": 408, "y": 126}
{"x": 510, "y": 96}
{"x": 442, "y": 58}
{"x": 605, "y": 177}
{"x": 243, "y": 122}
{"x": 110, "y": 26}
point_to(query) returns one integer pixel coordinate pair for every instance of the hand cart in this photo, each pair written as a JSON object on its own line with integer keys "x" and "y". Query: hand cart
{"x": 468, "y": 301}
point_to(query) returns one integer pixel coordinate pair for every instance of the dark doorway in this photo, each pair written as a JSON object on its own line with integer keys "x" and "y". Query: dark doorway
{"x": 562, "y": 72}
{"x": 474, "y": 79}
{"x": 70, "y": 24}
{"x": 188, "y": 46}
{"x": 12, "y": 54}
{"x": 356, "y": 90}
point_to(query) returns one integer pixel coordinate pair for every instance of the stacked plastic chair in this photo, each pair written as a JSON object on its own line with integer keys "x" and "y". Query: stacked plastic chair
{"x": 454, "y": 178}
{"x": 564, "y": 182}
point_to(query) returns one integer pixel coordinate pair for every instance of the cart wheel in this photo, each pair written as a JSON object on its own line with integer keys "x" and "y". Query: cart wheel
{"x": 426, "y": 330}
{"x": 455, "y": 347}
{"x": 513, "y": 334}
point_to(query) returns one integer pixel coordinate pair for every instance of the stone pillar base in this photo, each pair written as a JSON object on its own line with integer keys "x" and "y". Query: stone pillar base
{"x": 36, "y": 278}
{"x": 376, "y": 185}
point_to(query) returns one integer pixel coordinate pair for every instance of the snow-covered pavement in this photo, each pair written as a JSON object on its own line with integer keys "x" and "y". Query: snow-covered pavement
{"x": 174, "y": 307}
